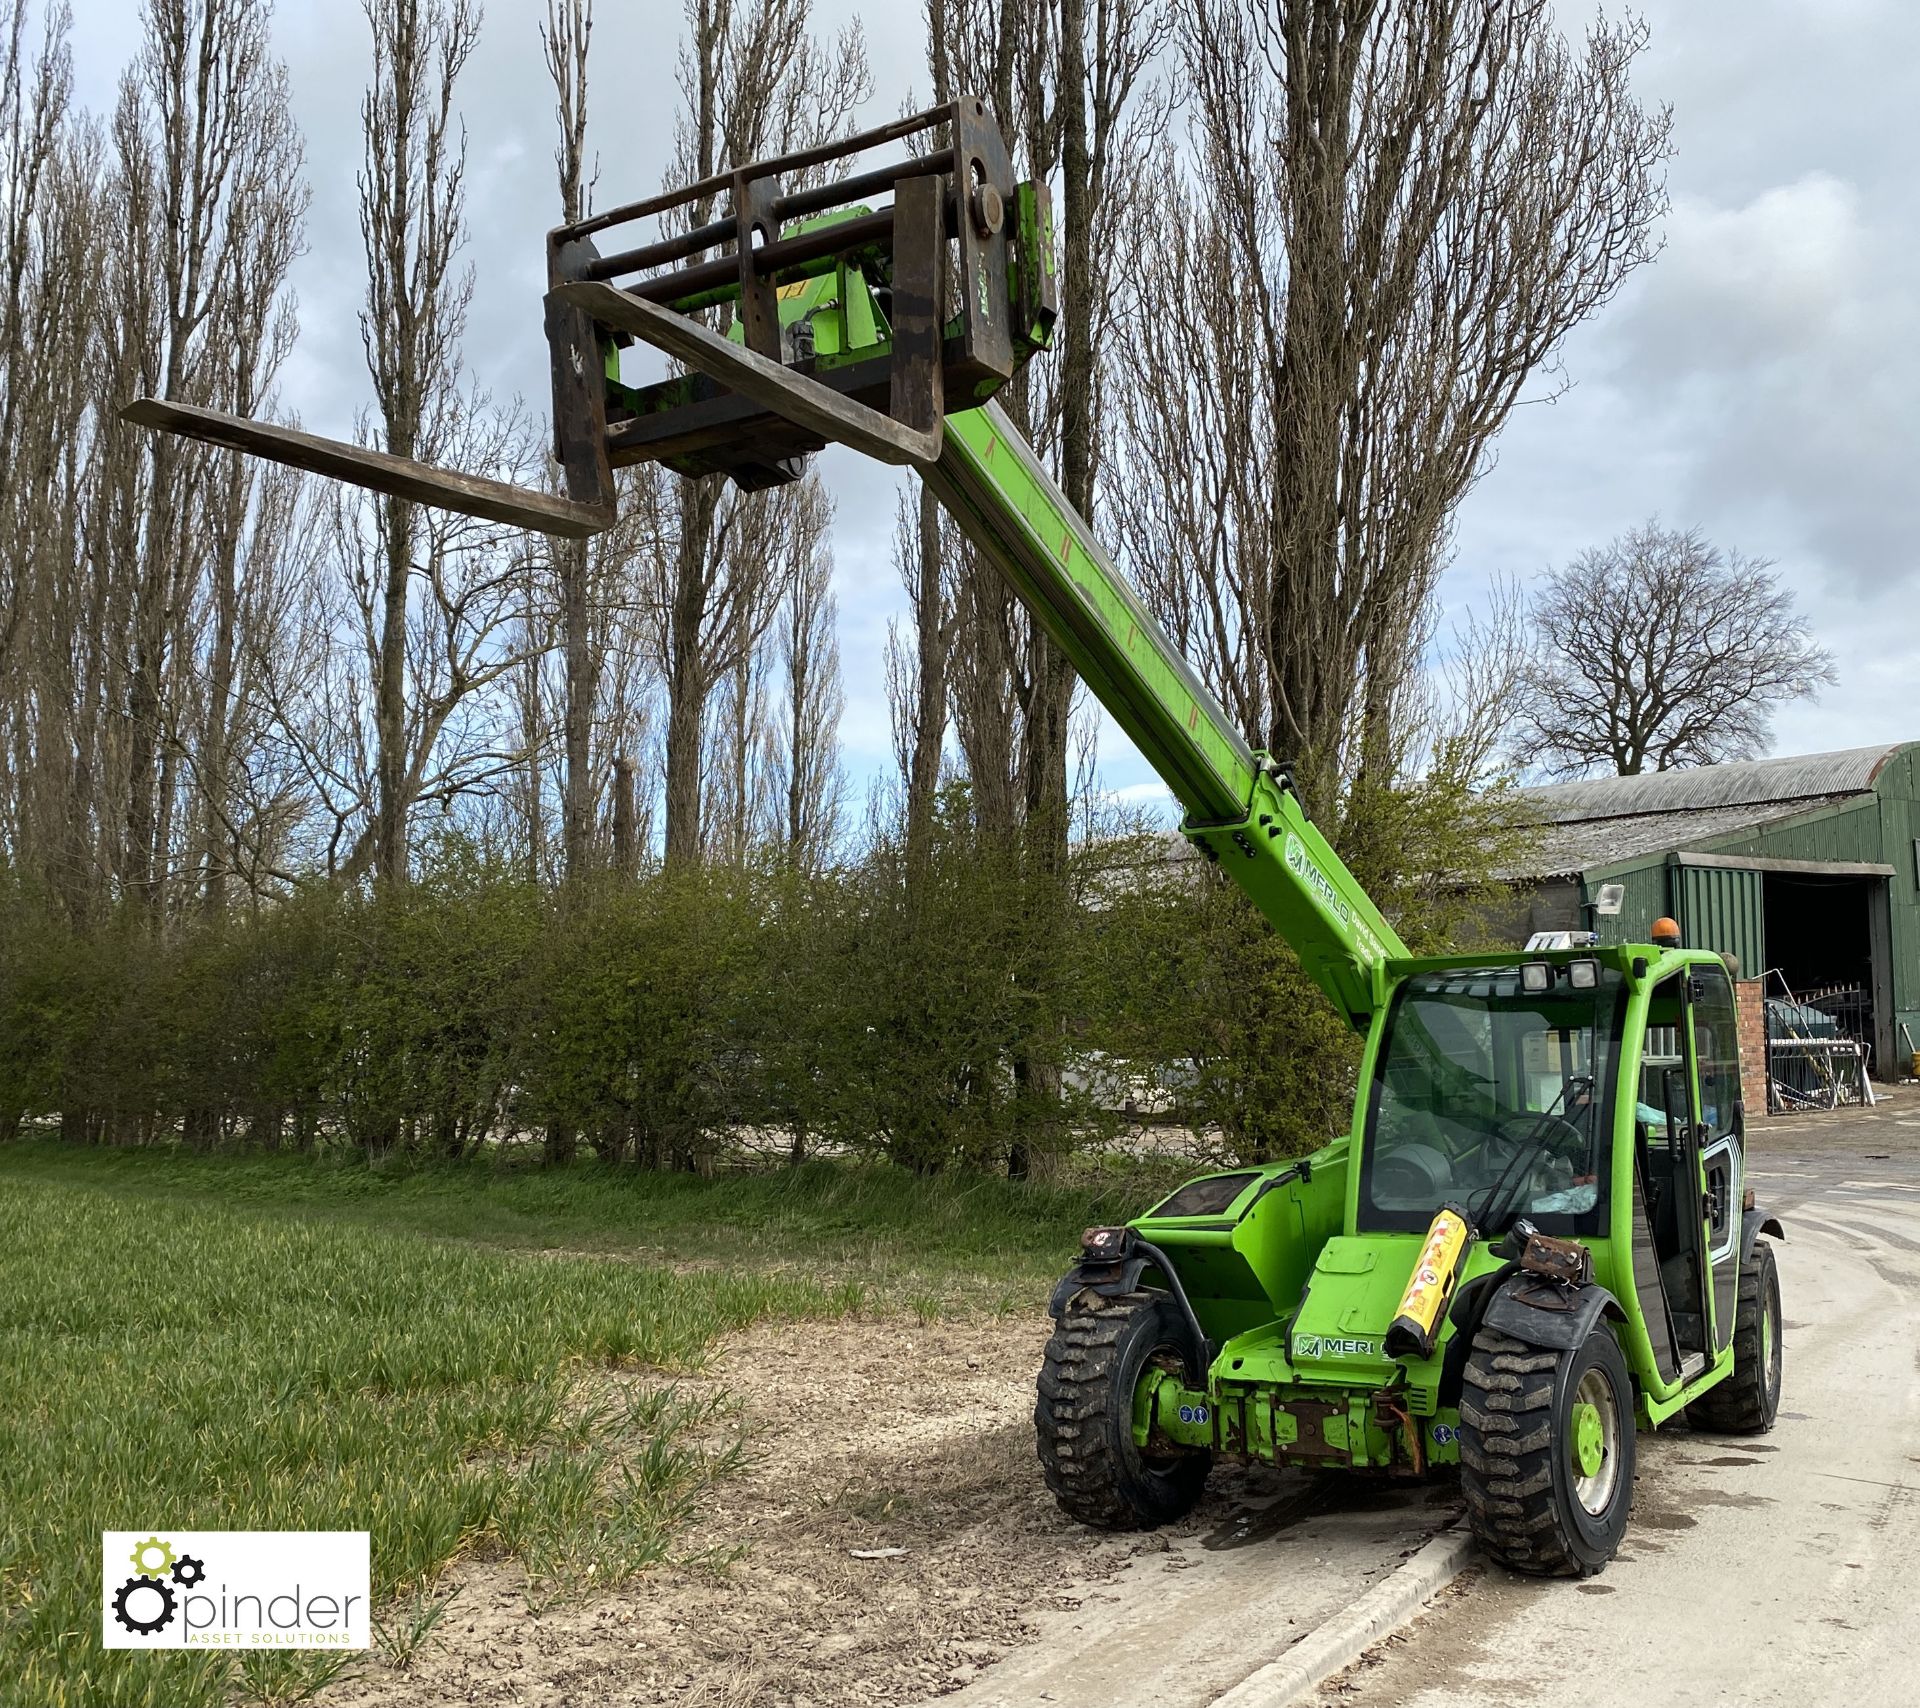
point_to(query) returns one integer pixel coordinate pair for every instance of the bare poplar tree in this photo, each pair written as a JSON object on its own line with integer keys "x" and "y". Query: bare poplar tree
{"x": 206, "y": 162}
{"x": 248, "y": 520}
{"x": 412, "y": 222}
{"x": 1109, "y": 124}
{"x": 1397, "y": 211}
{"x": 739, "y": 743}
{"x": 1068, "y": 81}
{"x": 988, "y": 689}
{"x": 926, "y": 552}
{"x": 530, "y": 692}
{"x": 35, "y": 88}
{"x": 625, "y": 644}
{"x": 1660, "y": 650}
{"x": 567, "y": 37}
{"x": 754, "y": 81}
{"x": 151, "y": 257}
{"x": 774, "y": 542}
{"x": 252, "y": 796}
{"x": 45, "y": 344}
{"x": 806, "y": 788}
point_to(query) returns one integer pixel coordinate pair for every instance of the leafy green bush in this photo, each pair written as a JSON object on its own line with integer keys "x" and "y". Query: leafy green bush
{"x": 979, "y": 1012}
{"x": 637, "y": 1016}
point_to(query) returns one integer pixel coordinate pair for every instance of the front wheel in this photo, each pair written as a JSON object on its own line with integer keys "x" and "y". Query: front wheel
{"x": 1546, "y": 1452}
{"x": 1084, "y": 1415}
{"x": 1746, "y": 1402}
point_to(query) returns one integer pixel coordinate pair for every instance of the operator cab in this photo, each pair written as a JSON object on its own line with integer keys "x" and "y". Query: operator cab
{"x": 1493, "y": 1089}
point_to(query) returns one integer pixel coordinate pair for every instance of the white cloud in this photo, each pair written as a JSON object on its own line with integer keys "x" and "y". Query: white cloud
{"x": 1141, "y": 795}
{"x": 1759, "y": 380}
{"x": 1759, "y": 281}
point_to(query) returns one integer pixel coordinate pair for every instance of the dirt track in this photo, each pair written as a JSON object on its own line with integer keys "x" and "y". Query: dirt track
{"x": 873, "y": 1435}
{"x": 864, "y": 1435}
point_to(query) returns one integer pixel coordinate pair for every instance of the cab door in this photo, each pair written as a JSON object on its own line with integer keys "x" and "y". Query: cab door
{"x": 1673, "y": 1221}
{"x": 1718, "y": 1123}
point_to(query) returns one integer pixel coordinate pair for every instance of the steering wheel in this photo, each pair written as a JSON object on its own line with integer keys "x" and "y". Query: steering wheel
{"x": 1550, "y": 1133}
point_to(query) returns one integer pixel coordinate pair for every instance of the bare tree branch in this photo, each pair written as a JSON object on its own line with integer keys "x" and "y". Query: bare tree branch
{"x": 1660, "y": 650}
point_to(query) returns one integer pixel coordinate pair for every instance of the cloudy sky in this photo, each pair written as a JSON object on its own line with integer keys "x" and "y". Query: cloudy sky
{"x": 1758, "y": 381}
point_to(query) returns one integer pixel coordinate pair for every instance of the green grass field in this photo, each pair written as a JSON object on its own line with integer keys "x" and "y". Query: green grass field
{"x": 278, "y": 1343}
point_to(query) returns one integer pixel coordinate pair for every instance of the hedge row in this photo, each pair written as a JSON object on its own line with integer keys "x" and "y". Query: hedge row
{"x": 975, "y": 1017}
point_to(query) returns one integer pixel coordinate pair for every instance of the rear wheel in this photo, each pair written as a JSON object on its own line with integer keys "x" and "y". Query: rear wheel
{"x": 1747, "y": 1402}
{"x": 1084, "y": 1415}
{"x": 1546, "y": 1452}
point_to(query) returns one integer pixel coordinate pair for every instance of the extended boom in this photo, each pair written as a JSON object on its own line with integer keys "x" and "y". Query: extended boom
{"x": 888, "y": 330}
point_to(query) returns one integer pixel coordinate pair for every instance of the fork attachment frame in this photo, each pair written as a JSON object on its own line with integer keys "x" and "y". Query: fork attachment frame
{"x": 798, "y": 313}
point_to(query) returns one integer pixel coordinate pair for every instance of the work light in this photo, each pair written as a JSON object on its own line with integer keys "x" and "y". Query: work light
{"x": 1536, "y": 977}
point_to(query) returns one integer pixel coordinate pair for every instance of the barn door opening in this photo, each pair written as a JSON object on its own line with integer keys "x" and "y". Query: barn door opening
{"x": 1829, "y": 938}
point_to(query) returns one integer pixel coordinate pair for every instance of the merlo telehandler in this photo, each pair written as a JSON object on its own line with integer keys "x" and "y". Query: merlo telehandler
{"x": 1536, "y": 1235}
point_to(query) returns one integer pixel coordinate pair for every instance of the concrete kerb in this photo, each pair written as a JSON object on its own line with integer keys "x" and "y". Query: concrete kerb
{"x": 1348, "y": 1635}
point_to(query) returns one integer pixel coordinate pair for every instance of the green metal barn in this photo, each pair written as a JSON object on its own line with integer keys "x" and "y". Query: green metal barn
{"x": 1807, "y": 868}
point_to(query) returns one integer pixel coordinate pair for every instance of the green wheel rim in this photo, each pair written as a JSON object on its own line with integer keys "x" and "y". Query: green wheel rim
{"x": 1589, "y": 1443}
{"x": 1594, "y": 1424}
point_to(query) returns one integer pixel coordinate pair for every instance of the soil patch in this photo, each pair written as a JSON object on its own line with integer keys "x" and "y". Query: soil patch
{"x": 863, "y": 1436}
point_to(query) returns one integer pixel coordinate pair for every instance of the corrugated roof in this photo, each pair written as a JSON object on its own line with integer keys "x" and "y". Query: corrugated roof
{"x": 1575, "y": 845}
{"x": 1743, "y": 783}
{"x": 1599, "y": 821}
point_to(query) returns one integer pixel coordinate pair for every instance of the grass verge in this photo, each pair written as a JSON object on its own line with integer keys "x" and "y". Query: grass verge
{"x": 980, "y": 1240}
{"x": 275, "y": 1343}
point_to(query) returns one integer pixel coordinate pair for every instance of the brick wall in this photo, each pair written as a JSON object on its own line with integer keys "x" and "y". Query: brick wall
{"x": 1749, "y": 996}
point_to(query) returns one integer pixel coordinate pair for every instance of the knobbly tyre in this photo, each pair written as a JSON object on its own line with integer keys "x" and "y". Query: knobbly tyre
{"x": 1536, "y": 1236}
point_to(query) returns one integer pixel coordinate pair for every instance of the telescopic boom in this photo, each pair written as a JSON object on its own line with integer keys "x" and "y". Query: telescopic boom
{"x": 1240, "y": 807}
{"x": 888, "y": 329}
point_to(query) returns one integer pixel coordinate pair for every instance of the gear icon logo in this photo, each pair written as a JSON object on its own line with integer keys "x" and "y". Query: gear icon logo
{"x": 152, "y": 1612}
{"x": 149, "y": 1601}
{"x": 143, "y": 1557}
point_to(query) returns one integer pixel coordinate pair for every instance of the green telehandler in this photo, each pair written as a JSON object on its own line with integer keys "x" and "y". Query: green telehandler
{"x": 1535, "y": 1238}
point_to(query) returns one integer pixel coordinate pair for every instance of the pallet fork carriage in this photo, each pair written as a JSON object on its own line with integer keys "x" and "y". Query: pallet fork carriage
{"x": 756, "y": 404}
{"x": 1537, "y": 1235}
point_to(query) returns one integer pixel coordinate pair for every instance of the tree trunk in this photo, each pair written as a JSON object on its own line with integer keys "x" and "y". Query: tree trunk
{"x": 626, "y": 851}
{"x": 930, "y": 715}
{"x": 686, "y": 717}
{"x": 576, "y": 801}
{"x": 567, "y": 37}
{"x": 215, "y": 756}
{"x": 1050, "y": 673}
{"x": 137, "y": 870}
{"x": 390, "y": 690}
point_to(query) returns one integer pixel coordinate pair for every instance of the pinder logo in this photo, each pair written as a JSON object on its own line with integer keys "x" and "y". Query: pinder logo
{"x": 302, "y": 1589}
